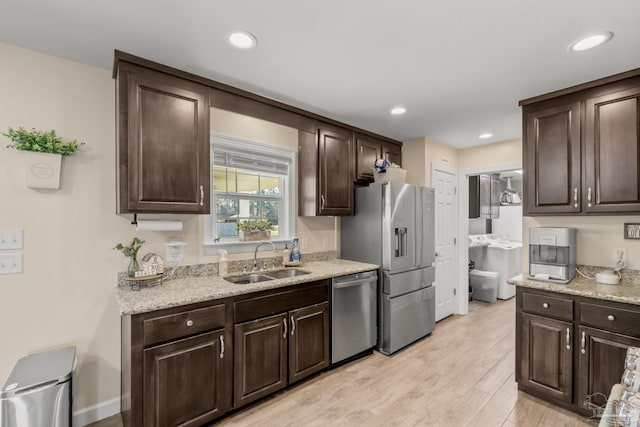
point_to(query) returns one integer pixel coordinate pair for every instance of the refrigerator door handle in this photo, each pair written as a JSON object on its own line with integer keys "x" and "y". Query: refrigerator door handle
{"x": 397, "y": 234}
{"x": 403, "y": 240}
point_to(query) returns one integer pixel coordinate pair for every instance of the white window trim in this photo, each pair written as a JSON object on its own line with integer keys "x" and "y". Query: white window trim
{"x": 224, "y": 141}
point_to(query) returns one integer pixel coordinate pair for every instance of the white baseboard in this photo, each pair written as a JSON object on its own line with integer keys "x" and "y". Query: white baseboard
{"x": 97, "y": 412}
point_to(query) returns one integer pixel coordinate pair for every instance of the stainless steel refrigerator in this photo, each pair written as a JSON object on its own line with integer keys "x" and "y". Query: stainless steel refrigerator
{"x": 393, "y": 227}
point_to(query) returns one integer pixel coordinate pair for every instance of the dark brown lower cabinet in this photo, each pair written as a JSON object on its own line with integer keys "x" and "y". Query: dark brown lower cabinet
{"x": 263, "y": 364}
{"x": 571, "y": 349}
{"x": 601, "y": 363}
{"x": 187, "y": 366}
{"x": 260, "y": 364}
{"x": 547, "y": 356}
{"x": 182, "y": 381}
{"x": 308, "y": 341}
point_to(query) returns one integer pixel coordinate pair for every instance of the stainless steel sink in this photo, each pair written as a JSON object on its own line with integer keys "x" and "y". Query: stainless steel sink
{"x": 245, "y": 279}
{"x": 265, "y": 276}
{"x": 289, "y": 272}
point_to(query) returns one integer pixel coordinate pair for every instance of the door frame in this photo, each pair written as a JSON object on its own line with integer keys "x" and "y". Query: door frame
{"x": 456, "y": 254}
{"x": 463, "y": 227}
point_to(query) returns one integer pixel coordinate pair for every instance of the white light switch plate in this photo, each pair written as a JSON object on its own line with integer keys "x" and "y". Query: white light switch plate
{"x": 11, "y": 263}
{"x": 11, "y": 239}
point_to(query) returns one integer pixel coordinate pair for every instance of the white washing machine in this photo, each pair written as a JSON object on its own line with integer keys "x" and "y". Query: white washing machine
{"x": 506, "y": 260}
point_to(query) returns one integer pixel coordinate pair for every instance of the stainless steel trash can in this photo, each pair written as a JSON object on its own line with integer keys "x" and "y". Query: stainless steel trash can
{"x": 38, "y": 391}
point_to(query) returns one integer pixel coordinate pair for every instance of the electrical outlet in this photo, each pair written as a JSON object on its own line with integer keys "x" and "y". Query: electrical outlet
{"x": 11, "y": 263}
{"x": 11, "y": 239}
{"x": 304, "y": 243}
{"x": 618, "y": 253}
{"x": 175, "y": 251}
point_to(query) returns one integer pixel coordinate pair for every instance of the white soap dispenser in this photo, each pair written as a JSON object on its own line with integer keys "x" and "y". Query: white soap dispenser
{"x": 223, "y": 263}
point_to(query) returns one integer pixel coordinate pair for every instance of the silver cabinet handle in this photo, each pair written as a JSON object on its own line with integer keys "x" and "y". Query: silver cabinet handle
{"x": 545, "y": 305}
{"x": 575, "y": 197}
{"x": 322, "y": 201}
{"x": 589, "y": 197}
{"x": 611, "y": 317}
{"x": 284, "y": 321}
{"x": 568, "y": 339}
{"x": 293, "y": 326}
{"x": 189, "y": 322}
{"x": 583, "y": 343}
{"x": 221, "y": 346}
{"x": 201, "y": 195}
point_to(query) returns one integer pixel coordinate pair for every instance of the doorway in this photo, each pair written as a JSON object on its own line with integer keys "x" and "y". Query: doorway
{"x": 465, "y": 231}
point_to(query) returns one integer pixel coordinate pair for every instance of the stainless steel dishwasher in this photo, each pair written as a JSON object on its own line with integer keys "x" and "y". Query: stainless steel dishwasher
{"x": 353, "y": 315}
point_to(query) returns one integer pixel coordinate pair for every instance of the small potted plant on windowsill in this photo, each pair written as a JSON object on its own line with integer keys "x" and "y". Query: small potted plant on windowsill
{"x": 250, "y": 231}
{"x": 43, "y": 155}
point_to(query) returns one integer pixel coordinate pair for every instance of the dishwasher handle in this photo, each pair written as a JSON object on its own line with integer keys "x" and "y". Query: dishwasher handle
{"x": 350, "y": 283}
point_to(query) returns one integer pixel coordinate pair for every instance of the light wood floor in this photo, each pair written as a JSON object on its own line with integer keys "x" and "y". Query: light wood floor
{"x": 462, "y": 375}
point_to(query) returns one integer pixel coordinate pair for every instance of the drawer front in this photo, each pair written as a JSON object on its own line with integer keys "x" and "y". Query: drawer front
{"x": 165, "y": 328}
{"x": 279, "y": 302}
{"x": 560, "y": 308}
{"x": 611, "y": 319}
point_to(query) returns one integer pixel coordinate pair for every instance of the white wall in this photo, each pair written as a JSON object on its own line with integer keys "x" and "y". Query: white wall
{"x": 509, "y": 225}
{"x": 65, "y": 295}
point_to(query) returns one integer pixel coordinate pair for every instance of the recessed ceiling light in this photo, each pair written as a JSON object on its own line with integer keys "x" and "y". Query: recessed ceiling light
{"x": 485, "y": 135}
{"x": 591, "y": 41}
{"x": 396, "y": 111}
{"x": 242, "y": 40}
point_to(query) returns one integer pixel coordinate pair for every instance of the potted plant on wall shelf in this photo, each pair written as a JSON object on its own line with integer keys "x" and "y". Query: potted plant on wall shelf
{"x": 250, "y": 231}
{"x": 43, "y": 155}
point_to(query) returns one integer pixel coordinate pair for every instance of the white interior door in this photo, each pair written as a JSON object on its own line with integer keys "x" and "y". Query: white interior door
{"x": 446, "y": 221}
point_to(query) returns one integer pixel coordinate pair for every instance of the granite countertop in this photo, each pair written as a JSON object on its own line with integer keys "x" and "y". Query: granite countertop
{"x": 182, "y": 291}
{"x": 628, "y": 291}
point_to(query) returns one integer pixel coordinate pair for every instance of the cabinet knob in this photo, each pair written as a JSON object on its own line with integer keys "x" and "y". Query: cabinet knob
{"x": 545, "y": 305}
{"x": 611, "y": 317}
{"x": 189, "y": 322}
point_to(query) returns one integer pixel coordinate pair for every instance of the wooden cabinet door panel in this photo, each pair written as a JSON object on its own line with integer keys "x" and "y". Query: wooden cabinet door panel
{"x": 308, "y": 341}
{"x": 552, "y": 160}
{"x": 182, "y": 381}
{"x": 392, "y": 152}
{"x": 612, "y": 150}
{"x": 164, "y": 152}
{"x": 368, "y": 151}
{"x": 335, "y": 172}
{"x": 601, "y": 362}
{"x": 260, "y": 358}
{"x": 495, "y": 197}
{"x": 547, "y": 356}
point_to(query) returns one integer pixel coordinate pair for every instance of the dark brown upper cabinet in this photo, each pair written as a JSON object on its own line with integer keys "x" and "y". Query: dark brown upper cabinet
{"x": 392, "y": 152}
{"x": 581, "y": 149}
{"x": 325, "y": 172}
{"x": 163, "y": 142}
{"x": 612, "y": 150}
{"x": 552, "y": 156}
{"x": 484, "y": 196}
{"x": 368, "y": 150}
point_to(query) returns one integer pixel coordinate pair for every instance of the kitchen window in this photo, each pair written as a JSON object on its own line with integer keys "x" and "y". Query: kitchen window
{"x": 250, "y": 181}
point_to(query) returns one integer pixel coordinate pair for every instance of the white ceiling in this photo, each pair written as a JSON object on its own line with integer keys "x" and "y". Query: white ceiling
{"x": 459, "y": 66}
